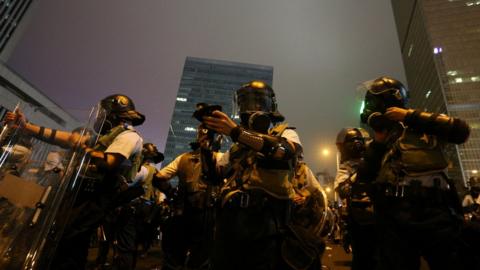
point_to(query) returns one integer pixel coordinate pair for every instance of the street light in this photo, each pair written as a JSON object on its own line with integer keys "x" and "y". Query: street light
{"x": 325, "y": 152}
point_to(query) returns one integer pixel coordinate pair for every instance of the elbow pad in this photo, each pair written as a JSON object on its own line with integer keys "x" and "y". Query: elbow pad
{"x": 277, "y": 148}
{"x": 453, "y": 130}
{"x": 271, "y": 146}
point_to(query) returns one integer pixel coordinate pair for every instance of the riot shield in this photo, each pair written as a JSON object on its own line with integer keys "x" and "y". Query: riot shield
{"x": 311, "y": 222}
{"x": 39, "y": 181}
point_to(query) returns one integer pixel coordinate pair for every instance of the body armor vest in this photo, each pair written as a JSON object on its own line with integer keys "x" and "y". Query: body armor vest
{"x": 92, "y": 179}
{"x": 249, "y": 176}
{"x": 412, "y": 154}
{"x": 190, "y": 179}
{"x": 150, "y": 193}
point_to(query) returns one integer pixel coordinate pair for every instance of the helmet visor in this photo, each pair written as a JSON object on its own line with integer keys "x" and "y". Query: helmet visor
{"x": 254, "y": 100}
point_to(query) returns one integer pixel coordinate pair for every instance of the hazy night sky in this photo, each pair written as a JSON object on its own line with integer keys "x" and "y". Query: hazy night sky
{"x": 77, "y": 52}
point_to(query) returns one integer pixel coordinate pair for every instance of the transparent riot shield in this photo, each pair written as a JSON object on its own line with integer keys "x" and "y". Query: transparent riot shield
{"x": 310, "y": 223}
{"x": 39, "y": 180}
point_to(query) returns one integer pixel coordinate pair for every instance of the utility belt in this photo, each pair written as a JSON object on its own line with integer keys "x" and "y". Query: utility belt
{"x": 203, "y": 199}
{"x": 422, "y": 186}
{"x": 257, "y": 200}
{"x": 91, "y": 187}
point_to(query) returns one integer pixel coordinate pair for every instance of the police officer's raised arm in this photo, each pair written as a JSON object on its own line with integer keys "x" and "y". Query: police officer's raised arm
{"x": 61, "y": 138}
{"x": 454, "y": 130}
{"x": 275, "y": 147}
{"x": 167, "y": 172}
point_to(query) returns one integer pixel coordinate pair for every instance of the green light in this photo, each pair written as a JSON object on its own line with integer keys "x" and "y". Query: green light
{"x": 362, "y": 107}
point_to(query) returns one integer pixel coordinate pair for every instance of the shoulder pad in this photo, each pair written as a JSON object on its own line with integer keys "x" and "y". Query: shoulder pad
{"x": 278, "y": 129}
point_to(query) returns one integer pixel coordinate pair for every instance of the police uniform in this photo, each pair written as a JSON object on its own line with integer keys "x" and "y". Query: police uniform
{"x": 257, "y": 196}
{"x": 360, "y": 229}
{"x": 71, "y": 252}
{"x": 186, "y": 236}
{"x": 417, "y": 209}
{"x": 471, "y": 201}
{"x": 252, "y": 221}
{"x": 101, "y": 189}
{"x": 360, "y": 220}
{"x": 149, "y": 207}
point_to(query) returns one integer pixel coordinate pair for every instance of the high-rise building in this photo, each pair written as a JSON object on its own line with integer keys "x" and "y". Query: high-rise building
{"x": 14, "y": 17}
{"x": 212, "y": 82}
{"x": 440, "y": 43}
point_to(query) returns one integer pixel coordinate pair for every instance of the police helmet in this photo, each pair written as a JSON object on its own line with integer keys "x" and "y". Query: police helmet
{"x": 381, "y": 94}
{"x": 351, "y": 142}
{"x": 257, "y": 96}
{"x": 150, "y": 152}
{"x": 121, "y": 107}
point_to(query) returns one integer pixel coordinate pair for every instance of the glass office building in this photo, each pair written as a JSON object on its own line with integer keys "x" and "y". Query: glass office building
{"x": 440, "y": 41}
{"x": 212, "y": 82}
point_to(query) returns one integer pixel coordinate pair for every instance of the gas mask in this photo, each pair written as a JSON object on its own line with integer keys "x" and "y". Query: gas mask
{"x": 381, "y": 94}
{"x": 354, "y": 147}
{"x": 257, "y": 121}
{"x": 351, "y": 143}
{"x": 256, "y": 106}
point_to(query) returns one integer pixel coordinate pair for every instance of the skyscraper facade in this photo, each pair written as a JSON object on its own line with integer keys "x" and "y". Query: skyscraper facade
{"x": 14, "y": 15}
{"x": 14, "y": 89}
{"x": 440, "y": 42}
{"x": 212, "y": 82}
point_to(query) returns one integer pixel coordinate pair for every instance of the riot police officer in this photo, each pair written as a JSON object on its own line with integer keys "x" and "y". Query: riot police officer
{"x": 187, "y": 236}
{"x": 471, "y": 201}
{"x": 130, "y": 223}
{"x": 151, "y": 202}
{"x": 113, "y": 159}
{"x": 351, "y": 144}
{"x": 415, "y": 202}
{"x": 258, "y": 194}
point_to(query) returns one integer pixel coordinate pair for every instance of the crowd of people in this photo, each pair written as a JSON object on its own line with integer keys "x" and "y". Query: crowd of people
{"x": 257, "y": 205}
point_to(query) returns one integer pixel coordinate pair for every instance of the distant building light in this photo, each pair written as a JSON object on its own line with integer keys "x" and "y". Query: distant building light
{"x": 474, "y": 171}
{"x": 469, "y": 4}
{"x": 428, "y": 93}
{"x": 437, "y": 50}
{"x": 458, "y": 80}
{"x": 181, "y": 99}
{"x": 190, "y": 129}
{"x": 475, "y": 78}
{"x": 452, "y": 73}
{"x": 410, "y": 49}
